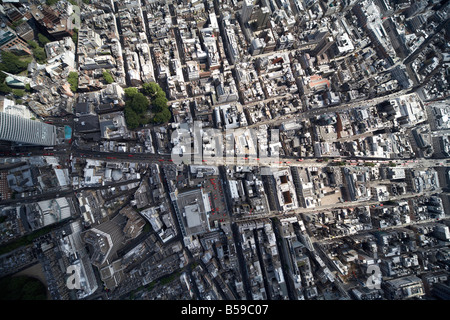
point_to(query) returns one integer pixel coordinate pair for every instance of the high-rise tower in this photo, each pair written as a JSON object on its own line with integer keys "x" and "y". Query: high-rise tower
{"x": 20, "y": 130}
{"x": 247, "y": 9}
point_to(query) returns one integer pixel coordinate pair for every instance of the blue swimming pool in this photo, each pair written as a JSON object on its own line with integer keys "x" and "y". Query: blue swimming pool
{"x": 67, "y": 132}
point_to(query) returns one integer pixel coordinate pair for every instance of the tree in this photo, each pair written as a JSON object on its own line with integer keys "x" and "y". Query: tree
{"x": 18, "y": 92}
{"x": 130, "y": 92}
{"x": 107, "y": 76}
{"x": 139, "y": 103}
{"x": 43, "y": 40}
{"x": 12, "y": 63}
{"x": 4, "y": 89}
{"x": 3, "y": 86}
{"x": 22, "y": 288}
{"x": 38, "y": 52}
{"x": 131, "y": 118}
{"x": 163, "y": 116}
{"x": 160, "y": 94}
{"x": 73, "y": 80}
{"x": 33, "y": 44}
{"x": 159, "y": 104}
{"x": 392, "y": 164}
{"x": 151, "y": 88}
{"x": 75, "y": 36}
{"x": 143, "y": 119}
{"x": 154, "y": 91}
{"x": 39, "y": 55}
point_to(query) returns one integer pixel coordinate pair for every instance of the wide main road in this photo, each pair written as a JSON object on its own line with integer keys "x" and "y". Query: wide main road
{"x": 66, "y": 152}
{"x": 249, "y": 161}
{"x": 274, "y": 162}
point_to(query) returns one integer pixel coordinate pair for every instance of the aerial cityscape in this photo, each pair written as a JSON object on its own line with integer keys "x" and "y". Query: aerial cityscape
{"x": 224, "y": 150}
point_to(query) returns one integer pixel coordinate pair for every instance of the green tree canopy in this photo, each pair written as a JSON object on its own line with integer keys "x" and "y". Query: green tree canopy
{"x": 4, "y": 89}
{"x": 160, "y": 94}
{"x": 33, "y": 44}
{"x": 3, "y": 86}
{"x": 43, "y": 40}
{"x": 107, "y": 76}
{"x": 139, "y": 103}
{"x": 144, "y": 119}
{"x": 152, "y": 89}
{"x": 131, "y": 118}
{"x": 75, "y": 36}
{"x": 392, "y": 164}
{"x": 51, "y": 2}
{"x": 130, "y": 92}
{"x": 22, "y": 288}
{"x": 38, "y": 52}
{"x": 163, "y": 116}
{"x": 39, "y": 55}
{"x": 18, "y": 92}
{"x": 12, "y": 63}
{"x": 73, "y": 80}
{"x": 159, "y": 104}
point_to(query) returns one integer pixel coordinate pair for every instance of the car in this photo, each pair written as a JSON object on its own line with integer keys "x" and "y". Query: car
{"x": 299, "y": 159}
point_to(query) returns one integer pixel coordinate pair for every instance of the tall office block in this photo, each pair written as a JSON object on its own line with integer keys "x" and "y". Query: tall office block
{"x": 263, "y": 18}
{"x": 17, "y": 129}
{"x": 323, "y": 46}
{"x": 247, "y": 9}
